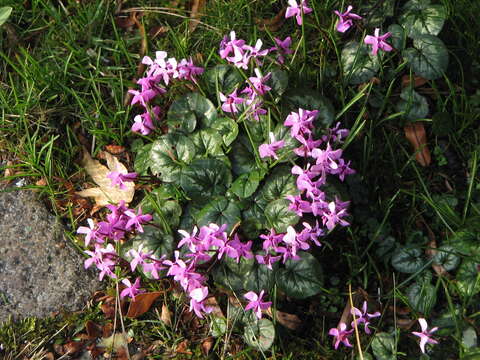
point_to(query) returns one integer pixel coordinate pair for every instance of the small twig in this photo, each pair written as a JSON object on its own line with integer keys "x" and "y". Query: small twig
{"x": 357, "y": 336}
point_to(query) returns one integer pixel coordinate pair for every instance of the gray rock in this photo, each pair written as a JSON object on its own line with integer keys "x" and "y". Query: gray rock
{"x": 40, "y": 271}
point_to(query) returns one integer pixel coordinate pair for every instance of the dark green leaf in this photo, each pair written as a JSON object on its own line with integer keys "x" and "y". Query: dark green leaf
{"x": 205, "y": 178}
{"x": 301, "y": 278}
{"x": 428, "y": 58}
{"x": 279, "y": 216}
{"x": 242, "y": 156}
{"x": 219, "y": 211}
{"x": 442, "y": 124}
{"x": 190, "y": 109}
{"x": 279, "y": 83}
{"x": 226, "y": 278}
{"x": 259, "y": 278}
{"x": 309, "y": 99}
{"x": 383, "y": 346}
{"x": 207, "y": 142}
{"x": 286, "y": 153}
{"x": 377, "y": 12}
{"x": 5, "y": 14}
{"x": 154, "y": 240}
{"x": 468, "y": 278}
{"x": 218, "y": 326}
{"x": 246, "y": 184}
{"x": 260, "y": 334}
{"x": 227, "y": 77}
{"x": 399, "y": 37}
{"x": 358, "y": 64}
{"x": 413, "y": 104}
{"x": 422, "y": 297}
{"x": 469, "y": 338}
{"x": 447, "y": 257}
{"x": 254, "y": 221}
{"x": 408, "y": 260}
{"x": 241, "y": 268}
{"x": 226, "y": 128}
{"x": 165, "y": 212}
{"x": 142, "y": 159}
{"x": 169, "y": 154}
{"x": 280, "y": 183}
{"x": 420, "y": 17}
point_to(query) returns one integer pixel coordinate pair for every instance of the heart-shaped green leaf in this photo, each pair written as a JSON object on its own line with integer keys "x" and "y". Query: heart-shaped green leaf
{"x": 399, "y": 36}
{"x": 207, "y": 143}
{"x": 408, "y": 260}
{"x": 223, "y": 78}
{"x": 468, "y": 278}
{"x": 413, "y": 104}
{"x": 358, "y": 64}
{"x": 260, "y": 334}
{"x": 169, "y": 154}
{"x": 142, "y": 159}
{"x": 279, "y": 83}
{"x": 246, "y": 184}
{"x": 204, "y": 179}
{"x": 219, "y": 211}
{"x": 428, "y": 58}
{"x": 189, "y": 110}
{"x": 154, "y": 240}
{"x": 447, "y": 257}
{"x": 383, "y": 346}
{"x": 279, "y": 216}
{"x": 422, "y": 297}
{"x": 301, "y": 278}
{"x": 226, "y": 128}
{"x": 280, "y": 183}
{"x": 259, "y": 278}
{"x": 419, "y": 17}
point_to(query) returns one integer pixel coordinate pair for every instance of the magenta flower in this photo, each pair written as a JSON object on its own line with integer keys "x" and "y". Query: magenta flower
{"x": 297, "y": 10}
{"x": 378, "y": 41}
{"x": 144, "y": 123}
{"x": 341, "y": 335}
{"x": 268, "y": 150}
{"x": 91, "y": 232}
{"x": 233, "y": 46}
{"x": 362, "y": 317}
{"x": 345, "y": 21}
{"x": 425, "y": 335}
{"x": 230, "y": 102}
{"x": 118, "y": 178}
{"x": 197, "y": 296}
{"x": 256, "y": 303}
{"x": 136, "y": 220}
{"x": 283, "y": 48}
{"x": 131, "y": 289}
{"x": 142, "y": 97}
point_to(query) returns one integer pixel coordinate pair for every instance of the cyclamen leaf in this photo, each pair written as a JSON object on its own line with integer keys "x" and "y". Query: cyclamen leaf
{"x": 190, "y": 109}
{"x": 207, "y": 142}
{"x": 420, "y": 17}
{"x": 242, "y": 268}
{"x": 279, "y": 83}
{"x": 413, "y": 104}
{"x": 399, "y": 36}
{"x": 227, "y": 77}
{"x": 280, "y": 183}
{"x": 408, "y": 260}
{"x": 260, "y": 334}
{"x": 142, "y": 159}
{"x": 246, "y": 184}
{"x": 428, "y": 58}
{"x": 285, "y": 153}
{"x": 204, "y": 179}
{"x": 383, "y": 346}
{"x": 301, "y": 278}
{"x": 242, "y": 156}
{"x": 422, "y": 297}
{"x": 219, "y": 211}
{"x": 226, "y": 128}
{"x": 279, "y": 216}
{"x": 446, "y": 257}
{"x": 468, "y": 278}
{"x": 358, "y": 64}
{"x": 259, "y": 278}
{"x": 169, "y": 154}
{"x": 154, "y": 240}
{"x": 227, "y": 279}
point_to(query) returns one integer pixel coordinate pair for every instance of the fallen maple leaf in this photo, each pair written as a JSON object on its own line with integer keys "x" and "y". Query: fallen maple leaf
{"x": 106, "y": 193}
{"x": 416, "y": 135}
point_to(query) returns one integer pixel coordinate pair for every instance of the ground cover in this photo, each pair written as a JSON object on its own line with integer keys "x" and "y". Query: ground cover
{"x": 411, "y": 249}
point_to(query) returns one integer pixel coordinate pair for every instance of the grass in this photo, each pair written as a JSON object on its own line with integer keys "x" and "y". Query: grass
{"x": 65, "y": 69}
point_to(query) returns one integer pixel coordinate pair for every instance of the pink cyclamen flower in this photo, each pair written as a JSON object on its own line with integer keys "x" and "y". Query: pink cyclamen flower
{"x": 267, "y": 150}
{"x": 91, "y": 232}
{"x": 197, "y": 297}
{"x": 296, "y": 10}
{"x": 345, "y": 21}
{"x": 362, "y": 317}
{"x": 283, "y": 48}
{"x": 118, "y": 178}
{"x": 341, "y": 335}
{"x": 425, "y": 335}
{"x": 230, "y": 101}
{"x": 136, "y": 220}
{"x": 131, "y": 289}
{"x": 378, "y": 41}
{"x": 256, "y": 303}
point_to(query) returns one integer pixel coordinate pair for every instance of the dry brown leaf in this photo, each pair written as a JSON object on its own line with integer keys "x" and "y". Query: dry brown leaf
{"x": 417, "y": 81}
{"x": 273, "y": 24}
{"x": 212, "y": 303}
{"x": 142, "y": 303}
{"x": 207, "y": 345}
{"x": 290, "y": 321}
{"x": 116, "y": 341}
{"x": 106, "y": 193}
{"x": 115, "y": 149}
{"x": 182, "y": 348}
{"x": 416, "y": 135}
{"x": 93, "y": 330}
{"x": 166, "y": 315}
{"x": 196, "y": 13}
